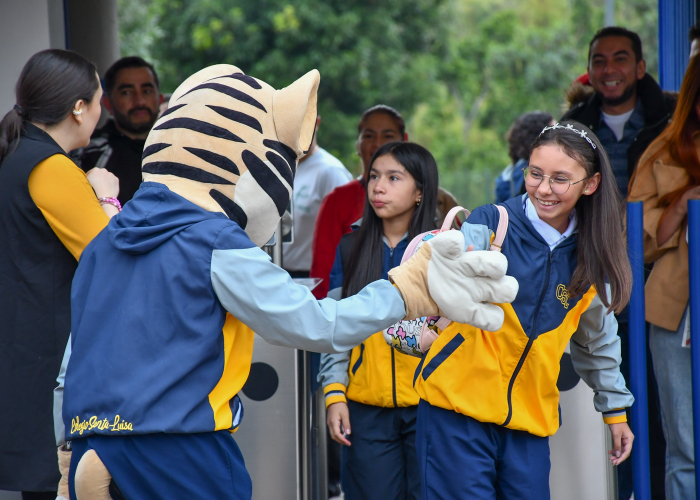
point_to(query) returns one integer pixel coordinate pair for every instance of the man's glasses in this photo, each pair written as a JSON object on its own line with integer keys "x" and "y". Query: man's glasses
{"x": 559, "y": 183}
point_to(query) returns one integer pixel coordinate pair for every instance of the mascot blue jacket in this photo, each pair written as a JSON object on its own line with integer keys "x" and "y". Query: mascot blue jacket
{"x": 166, "y": 299}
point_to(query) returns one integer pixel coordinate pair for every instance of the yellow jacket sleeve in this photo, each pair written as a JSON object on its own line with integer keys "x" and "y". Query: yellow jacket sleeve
{"x": 66, "y": 199}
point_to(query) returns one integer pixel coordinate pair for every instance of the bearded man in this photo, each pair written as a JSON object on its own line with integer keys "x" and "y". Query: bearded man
{"x": 628, "y": 109}
{"x": 132, "y": 97}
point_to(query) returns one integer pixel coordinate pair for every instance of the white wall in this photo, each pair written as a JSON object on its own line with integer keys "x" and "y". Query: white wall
{"x": 26, "y": 27}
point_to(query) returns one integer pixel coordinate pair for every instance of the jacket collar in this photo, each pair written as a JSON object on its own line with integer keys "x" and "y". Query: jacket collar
{"x": 33, "y": 132}
{"x": 516, "y": 215}
{"x": 648, "y": 92}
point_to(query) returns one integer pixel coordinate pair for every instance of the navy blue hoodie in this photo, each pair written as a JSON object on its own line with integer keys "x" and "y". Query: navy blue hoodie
{"x": 153, "y": 348}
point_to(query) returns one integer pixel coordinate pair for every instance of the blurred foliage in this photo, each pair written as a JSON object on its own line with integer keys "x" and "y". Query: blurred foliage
{"x": 460, "y": 71}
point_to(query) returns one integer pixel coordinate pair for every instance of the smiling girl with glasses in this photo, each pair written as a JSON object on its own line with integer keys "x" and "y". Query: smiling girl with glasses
{"x": 489, "y": 400}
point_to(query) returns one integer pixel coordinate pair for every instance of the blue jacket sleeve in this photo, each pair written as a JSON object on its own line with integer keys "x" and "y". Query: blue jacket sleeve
{"x": 58, "y": 426}
{"x": 335, "y": 281}
{"x": 264, "y": 297}
{"x": 477, "y": 228}
{"x": 334, "y": 367}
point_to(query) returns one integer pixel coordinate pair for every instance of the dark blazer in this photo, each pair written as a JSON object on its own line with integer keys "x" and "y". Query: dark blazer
{"x": 36, "y": 271}
{"x": 658, "y": 108}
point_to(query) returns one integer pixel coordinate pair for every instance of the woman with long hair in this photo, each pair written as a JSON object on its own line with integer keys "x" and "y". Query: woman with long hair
{"x": 668, "y": 175}
{"x": 378, "y": 125}
{"x": 489, "y": 399}
{"x": 369, "y": 386}
{"x": 49, "y": 211}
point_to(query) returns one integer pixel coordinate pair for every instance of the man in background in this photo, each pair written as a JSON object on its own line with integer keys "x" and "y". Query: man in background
{"x": 132, "y": 97}
{"x": 318, "y": 173}
{"x": 627, "y": 111}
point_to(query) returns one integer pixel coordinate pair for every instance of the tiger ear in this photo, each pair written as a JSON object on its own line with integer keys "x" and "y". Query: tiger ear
{"x": 294, "y": 112}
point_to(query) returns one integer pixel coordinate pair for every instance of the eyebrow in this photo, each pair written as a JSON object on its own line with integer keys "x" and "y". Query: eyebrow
{"x": 132, "y": 86}
{"x": 402, "y": 172}
{"x": 558, "y": 172}
{"x": 624, "y": 52}
{"x": 391, "y": 130}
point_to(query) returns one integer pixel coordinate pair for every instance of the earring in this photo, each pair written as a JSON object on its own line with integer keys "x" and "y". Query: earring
{"x": 418, "y": 202}
{"x": 78, "y": 113}
{"x": 586, "y": 191}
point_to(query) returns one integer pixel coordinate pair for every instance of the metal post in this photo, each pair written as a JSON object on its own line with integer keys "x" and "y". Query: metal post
{"x": 675, "y": 19}
{"x": 609, "y": 12}
{"x": 638, "y": 354}
{"x": 693, "y": 315}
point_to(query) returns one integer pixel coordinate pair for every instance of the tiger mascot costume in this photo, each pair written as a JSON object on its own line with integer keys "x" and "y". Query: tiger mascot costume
{"x": 165, "y": 300}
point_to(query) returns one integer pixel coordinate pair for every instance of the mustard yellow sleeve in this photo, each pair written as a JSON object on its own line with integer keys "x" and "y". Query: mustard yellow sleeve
{"x": 334, "y": 393}
{"x": 65, "y": 197}
{"x": 616, "y": 416}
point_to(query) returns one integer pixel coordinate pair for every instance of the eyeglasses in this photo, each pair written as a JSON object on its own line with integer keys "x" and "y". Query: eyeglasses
{"x": 559, "y": 183}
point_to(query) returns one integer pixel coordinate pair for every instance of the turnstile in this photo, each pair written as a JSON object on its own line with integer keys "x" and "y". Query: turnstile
{"x": 282, "y": 435}
{"x": 581, "y": 469}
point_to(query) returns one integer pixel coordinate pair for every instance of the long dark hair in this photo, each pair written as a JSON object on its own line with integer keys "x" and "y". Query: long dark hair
{"x": 602, "y": 251}
{"x": 50, "y": 84}
{"x": 365, "y": 261}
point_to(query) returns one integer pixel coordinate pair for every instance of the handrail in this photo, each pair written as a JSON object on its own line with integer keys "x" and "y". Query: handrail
{"x": 694, "y": 303}
{"x": 638, "y": 353}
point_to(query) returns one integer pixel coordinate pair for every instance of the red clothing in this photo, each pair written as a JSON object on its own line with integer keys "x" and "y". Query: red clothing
{"x": 343, "y": 206}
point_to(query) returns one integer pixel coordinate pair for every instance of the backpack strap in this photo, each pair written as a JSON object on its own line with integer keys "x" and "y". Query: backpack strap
{"x": 446, "y": 225}
{"x": 450, "y": 217}
{"x": 501, "y": 230}
{"x": 412, "y": 246}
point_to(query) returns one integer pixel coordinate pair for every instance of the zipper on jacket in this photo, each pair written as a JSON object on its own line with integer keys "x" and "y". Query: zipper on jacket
{"x": 530, "y": 341}
{"x": 393, "y": 378}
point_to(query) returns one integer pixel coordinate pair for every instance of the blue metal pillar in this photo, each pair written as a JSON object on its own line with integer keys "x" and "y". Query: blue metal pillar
{"x": 675, "y": 19}
{"x": 638, "y": 354}
{"x": 694, "y": 275}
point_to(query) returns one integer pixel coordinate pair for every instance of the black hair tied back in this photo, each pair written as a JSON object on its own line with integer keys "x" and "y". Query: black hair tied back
{"x": 50, "y": 84}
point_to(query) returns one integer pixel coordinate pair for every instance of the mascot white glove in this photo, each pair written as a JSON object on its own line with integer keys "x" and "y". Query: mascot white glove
{"x": 443, "y": 280}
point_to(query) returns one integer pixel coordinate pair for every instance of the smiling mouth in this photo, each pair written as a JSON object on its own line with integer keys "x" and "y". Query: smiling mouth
{"x": 545, "y": 203}
{"x": 613, "y": 83}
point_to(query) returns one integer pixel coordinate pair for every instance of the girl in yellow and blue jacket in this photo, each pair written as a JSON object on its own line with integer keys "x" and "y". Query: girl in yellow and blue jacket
{"x": 371, "y": 385}
{"x": 489, "y": 400}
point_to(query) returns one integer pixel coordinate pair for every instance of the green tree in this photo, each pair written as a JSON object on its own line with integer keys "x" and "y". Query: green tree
{"x": 460, "y": 71}
{"x": 368, "y": 52}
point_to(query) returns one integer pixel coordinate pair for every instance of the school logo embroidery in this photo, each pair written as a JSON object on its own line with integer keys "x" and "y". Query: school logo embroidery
{"x": 118, "y": 425}
{"x": 563, "y": 296}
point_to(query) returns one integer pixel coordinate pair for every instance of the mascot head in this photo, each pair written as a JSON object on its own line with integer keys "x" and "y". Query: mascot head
{"x": 230, "y": 143}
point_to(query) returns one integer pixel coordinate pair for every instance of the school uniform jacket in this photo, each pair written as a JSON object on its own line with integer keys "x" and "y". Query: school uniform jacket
{"x": 509, "y": 377}
{"x": 171, "y": 350}
{"x": 373, "y": 372}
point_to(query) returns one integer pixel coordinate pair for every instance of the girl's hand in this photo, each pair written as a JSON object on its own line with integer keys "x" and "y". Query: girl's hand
{"x": 622, "y": 442}
{"x": 682, "y": 205}
{"x": 338, "y": 419}
{"x": 103, "y": 182}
